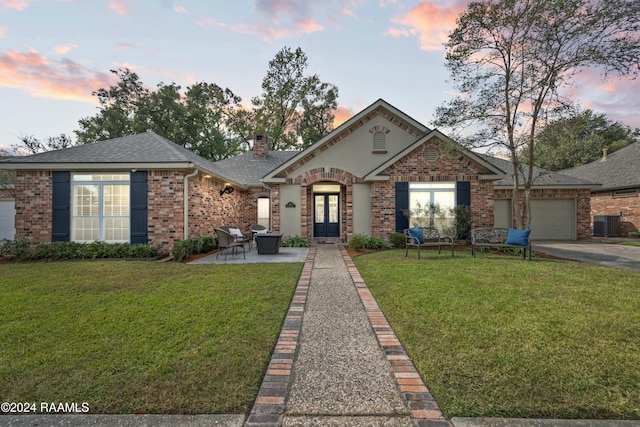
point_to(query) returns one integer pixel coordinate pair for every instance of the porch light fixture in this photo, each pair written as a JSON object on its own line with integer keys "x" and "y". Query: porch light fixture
{"x": 228, "y": 189}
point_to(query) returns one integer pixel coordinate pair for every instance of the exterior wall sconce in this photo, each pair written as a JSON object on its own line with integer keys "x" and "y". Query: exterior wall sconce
{"x": 228, "y": 189}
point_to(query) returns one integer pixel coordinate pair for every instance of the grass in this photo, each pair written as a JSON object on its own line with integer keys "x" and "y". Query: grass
{"x": 630, "y": 243}
{"x": 140, "y": 337}
{"x": 497, "y": 336}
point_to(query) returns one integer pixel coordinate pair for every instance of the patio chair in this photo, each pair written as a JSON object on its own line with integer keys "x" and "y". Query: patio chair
{"x": 227, "y": 241}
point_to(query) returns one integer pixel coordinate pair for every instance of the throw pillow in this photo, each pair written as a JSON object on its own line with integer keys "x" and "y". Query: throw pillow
{"x": 417, "y": 235}
{"x": 235, "y": 232}
{"x": 518, "y": 237}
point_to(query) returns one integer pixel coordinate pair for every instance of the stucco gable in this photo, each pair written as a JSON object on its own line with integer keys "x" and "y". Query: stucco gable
{"x": 379, "y": 116}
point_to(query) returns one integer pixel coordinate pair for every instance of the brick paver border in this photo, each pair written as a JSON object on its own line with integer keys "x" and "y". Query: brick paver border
{"x": 270, "y": 403}
{"x": 269, "y": 406}
{"x": 424, "y": 409}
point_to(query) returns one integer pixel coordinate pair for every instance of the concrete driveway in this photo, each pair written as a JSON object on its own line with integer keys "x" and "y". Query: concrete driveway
{"x": 593, "y": 252}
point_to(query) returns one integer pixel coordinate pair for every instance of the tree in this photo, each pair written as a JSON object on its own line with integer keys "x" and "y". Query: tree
{"x": 294, "y": 110}
{"x": 510, "y": 60}
{"x": 29, "y": 144}
{"x": 199, "y": 120}
{"x": 579, "y": 139}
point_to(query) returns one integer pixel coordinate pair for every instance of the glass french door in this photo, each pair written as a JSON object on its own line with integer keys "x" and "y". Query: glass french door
{"x": 326, "y": 215}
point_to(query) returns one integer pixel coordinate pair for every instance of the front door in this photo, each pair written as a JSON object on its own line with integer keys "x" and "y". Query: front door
{"x": 326, "y": 215}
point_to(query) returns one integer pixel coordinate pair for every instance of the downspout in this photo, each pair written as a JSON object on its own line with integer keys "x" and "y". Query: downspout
{"x": 186, "y": 202}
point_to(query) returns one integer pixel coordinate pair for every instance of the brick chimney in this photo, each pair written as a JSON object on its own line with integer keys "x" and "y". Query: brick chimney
{"x": 260, "y": 146}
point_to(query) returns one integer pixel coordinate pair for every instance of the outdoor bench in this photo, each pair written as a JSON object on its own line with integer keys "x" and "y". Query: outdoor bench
{"x": 423, "y": 237}
{"x": 500, "y": 238}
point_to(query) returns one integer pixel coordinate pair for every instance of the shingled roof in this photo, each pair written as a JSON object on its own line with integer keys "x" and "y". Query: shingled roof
{"x": 620, "y": 169}
{"x": 542, "y": 178}
{"x": 249, "y": 170}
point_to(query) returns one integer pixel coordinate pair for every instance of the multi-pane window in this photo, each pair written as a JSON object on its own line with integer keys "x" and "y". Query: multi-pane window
{"x": 433, "y": 201}
{"x": 100, "y": 207}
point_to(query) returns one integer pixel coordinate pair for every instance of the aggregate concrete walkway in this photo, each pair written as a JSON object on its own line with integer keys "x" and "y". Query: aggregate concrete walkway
{"x": 337, "y": 361}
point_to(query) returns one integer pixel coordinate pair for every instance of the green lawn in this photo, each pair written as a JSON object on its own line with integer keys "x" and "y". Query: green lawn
{"x": 497, "y": 336}
{"x": 140, "y": 336}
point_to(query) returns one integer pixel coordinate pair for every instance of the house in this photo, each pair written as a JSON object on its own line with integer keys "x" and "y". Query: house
{"x": 360, "y": 178}
{"x": 7, "y": 206}
{"x": 619, "y": 173}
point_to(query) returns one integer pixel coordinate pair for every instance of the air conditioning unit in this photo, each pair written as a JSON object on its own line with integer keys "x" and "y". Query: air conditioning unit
{"x": 606, "y": 225}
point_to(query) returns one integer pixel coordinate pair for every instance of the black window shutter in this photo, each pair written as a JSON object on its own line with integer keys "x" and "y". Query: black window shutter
{"x": 138, "y": 207}
{"x": 463, "y": 193}
{"x": 60, "y": 201}
{"x": 402, "y": 204}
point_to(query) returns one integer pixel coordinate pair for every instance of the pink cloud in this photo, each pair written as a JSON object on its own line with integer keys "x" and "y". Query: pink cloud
{"x": 62, "y": 49}
{"x": 342, "y": 114}
{"x": 120, "y": 7}
{"x": 2, "y": 31}
{"x": 210, "y": 22}
{"x": 15, "y": 4}
{"x": 179, "y": 9}
{"x": 39, "y": 76}
{"x": 430, "y": 22}
{"x": 614, "y": 96}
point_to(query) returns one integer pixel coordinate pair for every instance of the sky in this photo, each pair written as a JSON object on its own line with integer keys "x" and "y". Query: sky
{"x": 55, "y": 53}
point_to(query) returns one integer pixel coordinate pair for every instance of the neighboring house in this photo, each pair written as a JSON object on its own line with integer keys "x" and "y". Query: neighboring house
{"x": 7, "y": 206}
{"x": 360, "y": 178}
{"x": 619, "y": 173}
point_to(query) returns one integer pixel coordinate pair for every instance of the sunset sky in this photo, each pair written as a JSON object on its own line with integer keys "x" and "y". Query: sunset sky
{"x": 54, "y": 53}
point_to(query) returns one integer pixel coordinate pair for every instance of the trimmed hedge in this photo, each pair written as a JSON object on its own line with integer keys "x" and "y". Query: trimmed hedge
{"x": 22, "y": 250}
{"x": 197, "y": 245}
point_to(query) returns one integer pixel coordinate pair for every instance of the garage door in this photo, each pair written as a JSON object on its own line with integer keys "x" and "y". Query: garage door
{"x": 553, "y": 219}
{"x": 7, "y": 219}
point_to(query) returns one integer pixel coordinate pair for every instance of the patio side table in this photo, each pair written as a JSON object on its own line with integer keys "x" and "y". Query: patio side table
{"x": 268, "y": 243}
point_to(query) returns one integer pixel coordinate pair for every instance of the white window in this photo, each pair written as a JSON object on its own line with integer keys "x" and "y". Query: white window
{"x": 100, "y": 207}
{"x": 432, "y": 203}
{"x": 264, "y": 212}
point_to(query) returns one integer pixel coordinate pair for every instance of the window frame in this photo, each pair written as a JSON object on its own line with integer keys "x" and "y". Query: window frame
{"x": 100, "y": 181}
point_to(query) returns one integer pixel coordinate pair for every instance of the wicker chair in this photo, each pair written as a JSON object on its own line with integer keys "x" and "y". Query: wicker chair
{"x": 227, "y": 241}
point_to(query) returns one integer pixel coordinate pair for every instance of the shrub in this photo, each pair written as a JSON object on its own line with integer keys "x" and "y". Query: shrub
{"x": 397, "y": 240}
{"x": 22, "y": 250}
{"x": 14, "y": 248}
{"x": 197, "y": 245}
{"x": 635, "y": 234}
{"x": 294, "y": 242}
{"x": 359, "y": 242}
{"x": 376, "y": 243}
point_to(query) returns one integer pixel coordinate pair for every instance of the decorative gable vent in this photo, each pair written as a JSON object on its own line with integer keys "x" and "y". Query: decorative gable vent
{"x": 379, "y": 142}
{"x": 379, "y": 139}
{"x": 431, "y": 154}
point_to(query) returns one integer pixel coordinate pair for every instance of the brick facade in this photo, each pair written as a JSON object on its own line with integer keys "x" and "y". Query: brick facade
{"x": 335, "y": 175}
{"x": 33, "y": 190}
{"x": 165, "y": 206}
{"x": 414, "y": 167}
{"x": 605, "y": 203}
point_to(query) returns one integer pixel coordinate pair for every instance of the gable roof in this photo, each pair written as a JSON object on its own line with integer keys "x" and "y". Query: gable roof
{"x": 494, "y": 172}
{"x": 405, "y": 121}
{"x": 542, "y": 177}
{"x": 621, "y": 169}
{"x": 144, "y": 150}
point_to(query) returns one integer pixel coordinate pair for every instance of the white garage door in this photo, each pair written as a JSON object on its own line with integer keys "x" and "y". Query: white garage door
{"x": 7, "y": 220}
{"x": 553, "y": 219}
